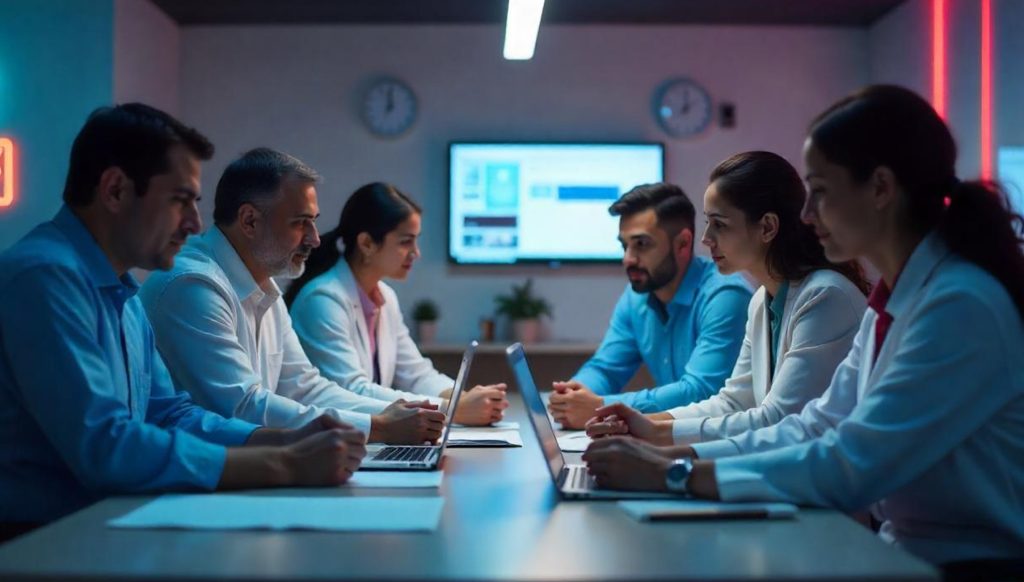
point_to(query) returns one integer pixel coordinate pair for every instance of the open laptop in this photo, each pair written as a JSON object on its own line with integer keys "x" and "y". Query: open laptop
{"x": 421, "y": 457}
{"x": 571, "y": 481}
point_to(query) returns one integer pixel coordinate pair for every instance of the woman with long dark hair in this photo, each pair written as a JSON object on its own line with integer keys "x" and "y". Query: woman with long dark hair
{"x": 349, "y": 321}
{"x": 923, "y": 422}
{"x": 800, "y": 322}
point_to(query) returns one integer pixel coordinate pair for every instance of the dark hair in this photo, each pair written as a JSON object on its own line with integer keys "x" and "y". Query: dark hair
{"x": 375, "y": 209}
{"x": 884, "y": 125}
{"x": 761, "y": 182}
{"x": 673, "y": 209}
{"x": 133, "y": 137}
{"x": 255, "y": 178}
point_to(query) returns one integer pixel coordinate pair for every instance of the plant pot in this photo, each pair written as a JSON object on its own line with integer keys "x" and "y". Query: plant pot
{"x": 426, "y": 331}
{"x": 526, "y": 331}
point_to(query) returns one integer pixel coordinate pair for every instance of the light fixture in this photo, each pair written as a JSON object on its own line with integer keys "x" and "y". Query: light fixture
{"x": 521, "y": 28}
{"x": 6, "y": 172}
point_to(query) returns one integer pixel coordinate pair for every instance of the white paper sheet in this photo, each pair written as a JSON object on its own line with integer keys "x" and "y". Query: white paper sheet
{"x": 471, "y": 437}
{"x": 574, "y": 442}
{"x": 398, "y": 479}
{"x": 220, "y": 511}
{"x": 500, "y": 425}
{"x": 696, "y": 509}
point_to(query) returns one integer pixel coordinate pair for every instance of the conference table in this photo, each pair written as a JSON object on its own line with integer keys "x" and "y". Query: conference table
{"x": 502, "y": 521}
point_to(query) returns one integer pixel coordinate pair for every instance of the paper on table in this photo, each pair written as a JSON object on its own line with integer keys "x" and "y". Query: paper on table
{"x": 696, "y": 509}
{"x": 397, "y": 479}
{"x": 466, "y": 437}
{"x": 219, "y": 511}
{"x": 574, "y": 442}
{"x": 500, "y": 425}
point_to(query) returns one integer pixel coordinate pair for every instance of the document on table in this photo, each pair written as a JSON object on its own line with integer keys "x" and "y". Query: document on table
{"x": 574, "y": 442}
{"x": 694, "y": 509}
{"x": 485, "y": 437}
{"x": 500, "y": 425}
{"x": 231, "y": 512}
{"x": 396, "y": 479}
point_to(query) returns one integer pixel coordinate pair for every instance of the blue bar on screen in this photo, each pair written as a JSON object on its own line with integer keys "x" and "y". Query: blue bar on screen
{"x": 588, "y": 193}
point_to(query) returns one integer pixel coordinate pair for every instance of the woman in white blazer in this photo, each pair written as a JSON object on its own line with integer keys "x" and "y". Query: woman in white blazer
{"x": 800, "y": 322}
{"x": 349, "y": 321}
{"x": 923, "y": 422}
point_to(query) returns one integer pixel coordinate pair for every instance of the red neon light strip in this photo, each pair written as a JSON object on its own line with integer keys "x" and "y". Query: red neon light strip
{"x": 939, "y": 57}
{"x": 6, "y": 172}
{"x": 986, "y": 90}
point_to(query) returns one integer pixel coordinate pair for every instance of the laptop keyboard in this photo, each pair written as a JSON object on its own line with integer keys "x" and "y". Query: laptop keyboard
{"x": 403, "y": 454}
{"x": 579, "y": 478}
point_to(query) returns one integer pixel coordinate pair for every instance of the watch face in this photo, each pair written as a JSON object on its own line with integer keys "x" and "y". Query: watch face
{"x": 389, "y": 108}
{"x": 682, "y": 108}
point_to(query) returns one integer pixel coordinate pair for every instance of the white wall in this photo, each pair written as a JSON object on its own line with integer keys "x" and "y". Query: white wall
{"x": 298, "y": 89}
{"x": 147, "y": 50}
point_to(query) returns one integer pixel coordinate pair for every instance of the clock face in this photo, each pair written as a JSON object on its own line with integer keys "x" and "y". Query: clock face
{"x": 682, "y": 108}
{"x": 389, "y": 108}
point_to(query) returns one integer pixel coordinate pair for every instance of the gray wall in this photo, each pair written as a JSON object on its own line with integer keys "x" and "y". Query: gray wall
{"x": 298, "y": 89}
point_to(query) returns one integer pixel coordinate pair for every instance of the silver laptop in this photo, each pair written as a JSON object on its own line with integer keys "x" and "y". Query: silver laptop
{"x": 421, "y": 457}
{"x": 571, "y": 481}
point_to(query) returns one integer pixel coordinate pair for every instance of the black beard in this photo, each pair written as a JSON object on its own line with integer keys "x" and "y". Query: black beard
{"x": 662, "y": 275}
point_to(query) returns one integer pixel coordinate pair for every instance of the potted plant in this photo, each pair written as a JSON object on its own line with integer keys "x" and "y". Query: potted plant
{"x": 425, "y": 314}
{"x": 524, "y": 310}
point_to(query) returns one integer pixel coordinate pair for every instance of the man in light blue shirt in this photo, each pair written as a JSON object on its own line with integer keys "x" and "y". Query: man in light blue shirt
{"x": 87, "y": 407}
{"x": 679, "y": 315}
{"x": 223, "y": 329}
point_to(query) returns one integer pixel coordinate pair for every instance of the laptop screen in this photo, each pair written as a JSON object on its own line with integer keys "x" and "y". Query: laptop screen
{"x": 538, "y": 413}
{"x": 460, "y": 384}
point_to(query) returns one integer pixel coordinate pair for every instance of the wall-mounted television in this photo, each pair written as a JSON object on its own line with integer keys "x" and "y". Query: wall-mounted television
{"x": 542, "y": 202}
{"x": 1011, "y": 174}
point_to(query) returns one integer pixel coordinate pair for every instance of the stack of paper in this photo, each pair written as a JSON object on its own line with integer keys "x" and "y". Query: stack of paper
{"x": 220, "y": 511}
{"x": 501, "y": 434}
{"x": 574, "y": 442}
{"x": 694, "y": 509}
{"x": 395, "y": 479}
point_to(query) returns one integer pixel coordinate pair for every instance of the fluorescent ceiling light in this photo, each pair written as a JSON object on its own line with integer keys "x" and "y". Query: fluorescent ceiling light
{"x": 521, "y": 28}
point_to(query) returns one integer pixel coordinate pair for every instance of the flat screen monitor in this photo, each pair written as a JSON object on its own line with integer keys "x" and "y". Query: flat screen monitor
{"x": 1011, "y": 174}
{"x": 542, "y": 202}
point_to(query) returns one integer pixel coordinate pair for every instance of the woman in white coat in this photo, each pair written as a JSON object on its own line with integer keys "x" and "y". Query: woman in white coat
{"x": 923, "y": 422}
{"x": 800, "y": 322}
{"x": 349, "y": 321}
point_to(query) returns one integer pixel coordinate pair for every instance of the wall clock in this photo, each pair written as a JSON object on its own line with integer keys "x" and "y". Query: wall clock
{"x": 389, "y": 108}
{"x": 682, "y": 107}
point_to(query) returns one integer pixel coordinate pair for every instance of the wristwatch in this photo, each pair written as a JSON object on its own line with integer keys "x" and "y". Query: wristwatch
{"x": 677, "y": 477}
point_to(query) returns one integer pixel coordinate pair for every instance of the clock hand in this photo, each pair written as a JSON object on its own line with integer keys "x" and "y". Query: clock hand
{"x": 686, "y": 103}
{"x": 391, "y": 99}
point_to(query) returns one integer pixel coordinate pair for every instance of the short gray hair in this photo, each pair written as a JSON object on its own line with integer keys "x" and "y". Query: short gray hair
{"x": 255, "y": 178}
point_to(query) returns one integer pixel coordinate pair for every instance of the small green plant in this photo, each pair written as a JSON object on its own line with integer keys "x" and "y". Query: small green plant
{"x": 522, "y": 303}
{"x": 425, "y": 310}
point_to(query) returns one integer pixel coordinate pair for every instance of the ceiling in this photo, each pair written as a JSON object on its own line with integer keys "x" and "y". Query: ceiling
{"x": 745, "y": 12}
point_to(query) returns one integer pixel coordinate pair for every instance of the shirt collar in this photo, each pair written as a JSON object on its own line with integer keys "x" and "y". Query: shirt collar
{"x": 929, "y": 252}
{"x": 348, "y": 281}
{"x": 370, "y": 302}
{"x": 97, "y": 266}
{"x": 688, "y": 288}
{"x": 242, "y": 281}
{"x": 778, "y": 303}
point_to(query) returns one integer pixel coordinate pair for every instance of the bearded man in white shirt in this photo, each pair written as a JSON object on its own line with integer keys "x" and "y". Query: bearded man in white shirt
{"x": 224, "y": 331}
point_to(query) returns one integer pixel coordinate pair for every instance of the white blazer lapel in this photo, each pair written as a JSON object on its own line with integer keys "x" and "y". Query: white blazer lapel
{"x": 867, "y": 359}
{"x": 387, "y": 343}
{"x": 760, "y": 352}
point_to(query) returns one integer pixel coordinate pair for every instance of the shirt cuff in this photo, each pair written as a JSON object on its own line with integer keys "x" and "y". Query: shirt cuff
{"x": 360, "y": 421}
{"x": 715, "y": 449}
{"x": 680, "y": 412}
{"x": 687, "y": 430}
{"x": 739, "y": 480}
{"x": 235, "y": 432}
{"x": 623, "y": 398}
